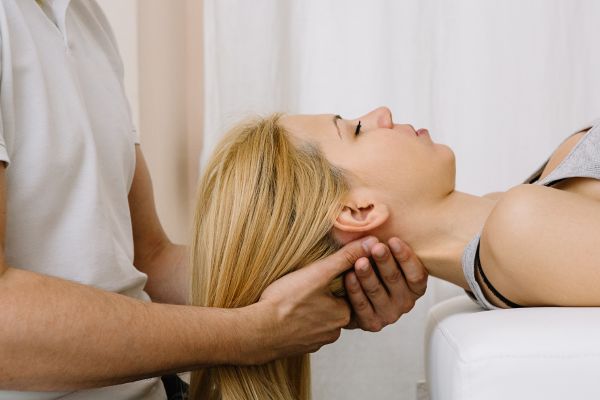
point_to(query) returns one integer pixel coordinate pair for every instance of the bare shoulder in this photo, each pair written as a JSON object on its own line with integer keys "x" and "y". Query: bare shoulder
{"x": 540, "y": 246}
{"x": 524, "y": 207}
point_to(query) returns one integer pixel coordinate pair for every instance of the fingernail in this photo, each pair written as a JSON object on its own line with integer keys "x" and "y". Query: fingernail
{"x": 362, "y": 266}
{"x": 369, "y": 242}
{"x": 379, "y": 252}
{"x": 352, "y": 280}
{"x": 395, "y": 246}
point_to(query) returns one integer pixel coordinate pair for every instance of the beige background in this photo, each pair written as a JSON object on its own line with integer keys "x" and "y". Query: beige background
{"x": 161, "y": 46}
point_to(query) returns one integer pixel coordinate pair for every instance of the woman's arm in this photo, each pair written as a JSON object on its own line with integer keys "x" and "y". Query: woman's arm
{"x": 541, "y": 246}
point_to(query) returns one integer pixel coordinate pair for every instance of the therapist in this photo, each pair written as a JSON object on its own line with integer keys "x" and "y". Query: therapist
{"x": 82, "y": 250}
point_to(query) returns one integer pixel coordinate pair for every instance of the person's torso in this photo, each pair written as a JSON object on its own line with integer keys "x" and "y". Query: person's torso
{"x": 70, "y": 144}
{"x": 574, "y": 167}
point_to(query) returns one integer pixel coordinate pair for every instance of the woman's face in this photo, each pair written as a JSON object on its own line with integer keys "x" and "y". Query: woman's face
{"x": 388, "y": 164}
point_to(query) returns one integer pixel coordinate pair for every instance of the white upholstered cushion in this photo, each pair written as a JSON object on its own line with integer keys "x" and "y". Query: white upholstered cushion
{"x": 530, "y": 353}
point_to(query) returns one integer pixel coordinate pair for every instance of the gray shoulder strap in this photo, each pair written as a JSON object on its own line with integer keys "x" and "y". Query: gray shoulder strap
{"x": 582, "y": 162}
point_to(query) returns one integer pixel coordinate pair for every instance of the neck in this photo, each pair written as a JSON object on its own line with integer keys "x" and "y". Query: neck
{"x": 444, "y": 232}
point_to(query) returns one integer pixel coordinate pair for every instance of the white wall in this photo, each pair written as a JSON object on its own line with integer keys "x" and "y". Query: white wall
{"x": 161, "y": 46}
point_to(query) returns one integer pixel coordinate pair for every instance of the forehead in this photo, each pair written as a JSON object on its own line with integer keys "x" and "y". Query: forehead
{"x": 320, "y": 129}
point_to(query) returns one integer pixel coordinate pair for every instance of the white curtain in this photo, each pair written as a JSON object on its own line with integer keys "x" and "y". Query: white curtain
{"x": 503, "y": 82}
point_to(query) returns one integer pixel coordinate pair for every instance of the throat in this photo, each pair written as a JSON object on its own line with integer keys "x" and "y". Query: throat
{"x": 446, "y": 233}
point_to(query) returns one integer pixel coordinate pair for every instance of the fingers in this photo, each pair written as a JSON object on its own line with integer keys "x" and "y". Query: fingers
{"x": 340, "y": 261}
{"x": 373, "y": 288}
{"x": 389, "y": 271}
{"x": 379, "y": 299}
{"x": 414, "y": 271}
{"x": 364, "y": 314}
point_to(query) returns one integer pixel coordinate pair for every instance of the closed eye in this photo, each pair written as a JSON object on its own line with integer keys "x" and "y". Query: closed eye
{"x": 357, "y": 131}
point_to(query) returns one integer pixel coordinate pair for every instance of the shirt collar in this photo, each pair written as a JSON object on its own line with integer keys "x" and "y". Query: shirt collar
{"x": 59, "y": 10}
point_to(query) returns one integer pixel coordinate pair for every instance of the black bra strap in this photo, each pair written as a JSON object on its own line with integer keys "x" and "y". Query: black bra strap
{"x": 489, "y": 284}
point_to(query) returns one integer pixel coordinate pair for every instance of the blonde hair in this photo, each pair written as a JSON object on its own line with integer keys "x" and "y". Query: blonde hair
{"x": 265, "y": 207}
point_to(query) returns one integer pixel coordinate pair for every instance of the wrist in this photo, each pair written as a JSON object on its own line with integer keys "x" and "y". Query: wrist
{"x": 255, "y": 344}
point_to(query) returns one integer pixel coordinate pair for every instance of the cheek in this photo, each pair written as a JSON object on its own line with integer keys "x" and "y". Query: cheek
{"x": 408, "y": 171}
{"x": 403, "y": 166}
{"x": 385, "y": 164}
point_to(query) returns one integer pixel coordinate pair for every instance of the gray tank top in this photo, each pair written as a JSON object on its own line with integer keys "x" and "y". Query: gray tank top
{"x": 583, "y": 161}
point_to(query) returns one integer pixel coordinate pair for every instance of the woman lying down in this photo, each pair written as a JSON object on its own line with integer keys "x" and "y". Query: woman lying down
{"x": 315, "y": 182}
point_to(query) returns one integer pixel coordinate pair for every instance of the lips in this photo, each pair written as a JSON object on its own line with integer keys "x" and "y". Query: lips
{"x": 415, "y": 132}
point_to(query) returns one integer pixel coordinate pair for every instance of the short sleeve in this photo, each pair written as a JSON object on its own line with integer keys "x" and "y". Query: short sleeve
{"x": 3, "y": 152}
{"x": 135, "y": 133}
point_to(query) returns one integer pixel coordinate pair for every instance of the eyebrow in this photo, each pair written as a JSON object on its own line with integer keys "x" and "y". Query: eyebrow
{"x": 335, "y": 118}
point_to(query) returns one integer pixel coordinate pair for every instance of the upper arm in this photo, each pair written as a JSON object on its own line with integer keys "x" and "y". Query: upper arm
{"x": 541, "y": 246}
{"x": 148, "y": 234}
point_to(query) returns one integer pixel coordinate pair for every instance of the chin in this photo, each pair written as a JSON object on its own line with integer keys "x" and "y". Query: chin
{"x": 446, "y": 151}
{"x": 449, "y": 166}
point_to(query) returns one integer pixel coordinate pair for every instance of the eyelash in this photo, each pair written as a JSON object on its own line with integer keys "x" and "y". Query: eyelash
{"x": 357, "y": 131}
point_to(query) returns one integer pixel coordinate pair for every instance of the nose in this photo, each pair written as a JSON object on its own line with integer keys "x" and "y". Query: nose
{"x": 380, "y": 117}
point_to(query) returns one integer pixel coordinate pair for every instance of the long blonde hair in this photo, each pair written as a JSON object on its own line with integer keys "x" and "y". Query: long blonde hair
{"x": 265, "y": 207}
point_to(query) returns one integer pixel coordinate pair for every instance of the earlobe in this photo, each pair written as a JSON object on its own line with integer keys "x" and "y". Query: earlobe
{"x": 363, "y": 218}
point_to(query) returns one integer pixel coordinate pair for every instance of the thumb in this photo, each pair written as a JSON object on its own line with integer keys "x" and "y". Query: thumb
{"x": 343, "y": 259}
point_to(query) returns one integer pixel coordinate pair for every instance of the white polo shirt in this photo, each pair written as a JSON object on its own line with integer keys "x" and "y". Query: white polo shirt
{"x": 67, "y": 136}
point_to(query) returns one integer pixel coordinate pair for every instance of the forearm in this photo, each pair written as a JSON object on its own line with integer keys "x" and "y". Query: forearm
{"x": 168, "y": 274}
{"x": 66, "y": 336}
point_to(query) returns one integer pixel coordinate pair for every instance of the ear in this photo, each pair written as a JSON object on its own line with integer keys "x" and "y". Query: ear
{"x": 360, "y": 215}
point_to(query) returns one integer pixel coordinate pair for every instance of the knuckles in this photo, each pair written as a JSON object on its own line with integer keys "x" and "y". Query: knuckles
{"x": 375, "y": 326}
{"x": 346, "y": 320}
{"x": 353, "y": 288}
{"x": 334, "y": 336}
{"x": 418, "y": 278}
{"x": 350, "y": 257}
{"x": 407, "y": 305}
{"x": 404, "y": 255}
{"x": 361, "y": 305}
{"x": 374, "y": 290}
{"x": 394, "y": 277}
{"x": 391, "y": 318}
{"x": 314, "y": 349}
